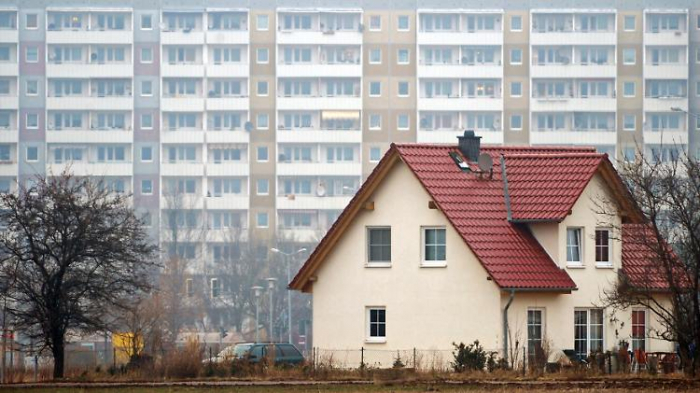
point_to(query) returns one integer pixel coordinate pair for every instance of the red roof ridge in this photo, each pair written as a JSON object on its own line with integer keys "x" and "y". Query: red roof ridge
{"x": 558, "y": 155}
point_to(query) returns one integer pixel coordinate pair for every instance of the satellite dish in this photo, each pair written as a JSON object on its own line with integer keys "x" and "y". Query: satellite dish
{"x": 321, "y": 190}
{"x": 248, "y": 126}
{"x": 485, "y": 162}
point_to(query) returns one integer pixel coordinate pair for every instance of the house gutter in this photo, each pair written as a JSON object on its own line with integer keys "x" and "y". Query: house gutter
{"x": 505, "y": 325}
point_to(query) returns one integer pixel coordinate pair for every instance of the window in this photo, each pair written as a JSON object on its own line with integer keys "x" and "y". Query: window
{"x": 375, "y": 56}
{"x": 32, "y": 87}
{"x": 630, "y": 23}
{"x": 189, "y": 287}
{"x": 262, "y": 154}
{"x": 639, "y": 330}
{"x": 516, "y": 23}
{"x": 32, "y": 154}
{"x": 629, "y": 56}
{"x": 629, "y": 154}
{"x": 379, "y": 246}
{"x": 262, "y": 22}
{"x": 516, "y": 89}
{"x": 629, "y": 122}
{"x": 146, "y": 153}
{"x": 403, "y": 89}
{"x": 375, "y": 154}
{"x": 402, "y": 121}
{"x": 403, "y": 23}
{"x": 697, "y": 22}
{"x": 263, "y": 121}
{"x": 402, "y": 56}
{"x": 215, "y": 288}
{"x": 602, "y": 247}
{"x": 628, "y": 89}
{"x": 263, "y": 56}
{"x": 31, "y": 21}
{"x": 516, "y": 56}
{"x": 146, "y": 88}
{"x": 146, "y": 187}
{"x": 32, "y": 121}
{"x": 697, "y": 88}
{"x": 146, "y": 55}
{"x": 376, "y": 329}
{"x": 146, "y": 22}
{"x": 31, "y": 54}
{"x": 262, "y": 221}
{"x": 375, "y": 23}
{"x": 375, "y": 121}
{"x": 573, "y": 246}
{"x": 375, "y": 89}
{"x": 588, "y": 331}
{"x": 516, "y": 122}
{"x": 697, "y": 56}
{"x": 434, "y": 247}
{"x": 534, "y": 332}
{"x": 263, "y": 187}
{"x": 4, "y": 153}
{"x": 262, "y": 88}
{"x": 146, "y": 121}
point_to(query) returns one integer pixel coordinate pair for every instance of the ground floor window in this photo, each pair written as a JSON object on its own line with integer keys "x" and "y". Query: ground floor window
{"x": 588, "y": 331}
{"x": 639, "y": 330}
{"x": 376, "y": 318}
{"x": 535, "y": 332}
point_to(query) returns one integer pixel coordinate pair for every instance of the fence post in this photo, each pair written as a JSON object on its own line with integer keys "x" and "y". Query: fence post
{"x": 524, "y": 359}
{"x": 36, "y": 368}
{"x": 114, "y": 358}
{"x": 414, "y": 358}
{"x": 609, "y": 363}
{"x": 362, "y": 357}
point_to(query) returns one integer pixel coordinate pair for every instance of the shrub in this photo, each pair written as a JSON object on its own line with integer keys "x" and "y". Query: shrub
{"x": 470, "y": 357}
{"x": 185, "y": 362}
{"x": 398, "y": 363}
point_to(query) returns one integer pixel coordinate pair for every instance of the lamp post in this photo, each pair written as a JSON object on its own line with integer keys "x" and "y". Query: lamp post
{"x": 288, "y": 257}
{"x": 270, "y": 286}
{"x": 257, "y": 291}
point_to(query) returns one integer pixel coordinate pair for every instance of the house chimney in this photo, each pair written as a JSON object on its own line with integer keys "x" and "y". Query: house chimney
{"x": 469, "y": 145}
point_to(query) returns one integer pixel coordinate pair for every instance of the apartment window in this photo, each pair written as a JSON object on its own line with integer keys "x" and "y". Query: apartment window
{"x": 628, "y": 89}
{"x": 4, "y": 153}
{"x": 262, "y": 187}
{"x": 146, "y": 22}
{"x": 262, "y": 56}
{"x": 375, "y": 121}
{"x": 516, "y": 23}
{"x": 263, "y": 121}
{"x": 146, "y": 55}
{"x": 629, "y": 122}
{"x": 403, "y": 89}
{"x": 215, "y": 288}
{"x": 146, "y": 153}
{"x": 146, "y": 88}
{"x": 516, "y": 122}
{"x": 588, "y": 331}
{"x": 146, "y": 187}
{"x": 630, "y": 23}
{"x": 375, "y": 23}
{"x": 375, "y": 154}
{"x": 639, "y": 330}
{"x": 261, "y": 220}
{"x": 697, "y": 22}
{"x": 189, "y": 287}
{"x": 516, "y": 89}
{"x": 32, "y": 121}
{"x": 402, "y": 121}
{"x": 375, "y": 89}
{"x": 516, "y": 56}
{"x": 262, "y": 22}
{"x": 31, "y": 21}
{"x": 629, "y": 56}
{"x": 434, "y": 246}
{"x": 146, "y": 121}
{"x": 697, "y": 56}
{"x": 376, "y": 324}
{"x": 379, "y": 246}
{"x": 602, "y": 247}
{"x": 402, "y": 56}
{"x": 629, "y": 154}
{"x": 375, "y": 56}
{"x": 32, "y": 87}
{"x": 262, "y": 88}
{"x": 31, "y": 54}
{"x": 573, "y": 246}
{"x": 403, "y": 23}
{"x": 262, "y": 154}
{"x": 32, "y": 154}
{"x": 535, "y": 331}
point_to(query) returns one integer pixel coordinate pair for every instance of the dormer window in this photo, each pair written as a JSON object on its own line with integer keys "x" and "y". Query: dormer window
{"x": 573, "y": 247}
{"x": 602, "y": 248}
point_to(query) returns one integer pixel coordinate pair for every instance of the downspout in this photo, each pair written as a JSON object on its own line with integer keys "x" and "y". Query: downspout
{"x": 505, "y": 325}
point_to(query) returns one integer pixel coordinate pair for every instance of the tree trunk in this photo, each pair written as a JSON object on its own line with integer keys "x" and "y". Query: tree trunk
{"x": 58, "y": 352}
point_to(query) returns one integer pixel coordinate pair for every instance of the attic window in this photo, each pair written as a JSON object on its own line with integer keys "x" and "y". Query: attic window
{"x": 463, "y": 166}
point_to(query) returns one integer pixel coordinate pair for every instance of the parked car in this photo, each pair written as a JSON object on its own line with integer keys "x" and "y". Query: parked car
{"x": 284, "y": 353}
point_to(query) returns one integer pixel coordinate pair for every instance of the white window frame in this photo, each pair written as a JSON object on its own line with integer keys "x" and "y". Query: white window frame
{"x": 624, "y": 89}
{"x": 370, "y": 56}
{"x": 634, "y": 23}
{"x": 370, "y": 154}
{"x": 143, "y": 148}
{"x": 260, "y": 116}
{"x": 398, "y": 122}
{"x": 26, "y": 157}
{"x": 149, "y": 49}
{"x": 141, "y": 121}
{"x": 257, "y": 220}
{"x": 398, "y": 89}
{"x": 257, "y": 88}
{"x": 634, "y": 60}
{"x": 26, "y": 87}
{"x": 260, "y": 17}
{"x": 26, "y": 121}
{"x": 146, "y": 94}
{"x": 543, "y": 328}
{"x": 513, "y": 50}
{"x": 581, "y": 257}
{"x": 141, "y": 20}
{"x": 375, "y": 128}
{"x": 258, "y": 51}
{"x": 435, "y": 263}
{"x": 257, "y": 154}
{"x": 398, "y": 56}
{"x": 26, "y": 21}
{"x": 370, "y": 89}
{"x": 379, "y": 18}
{"x": 368, "y": 262}
{"x": 646, "y": 328}
{"x": 368, "y": 325}
{"x": 521, "y": 22}
{"x": 257, "y": 187}
{"x": 211, "y": 288}
{"x": 398, "y": 23}
{"x": 511, "y": 122}
{"x": 588, "y": 328}
{"x": 511, "y": 89}
{"x": 142, "y": 191}
{"x": 189, "y": 287}
{"x": 609, "y": 262}
{"x": 624, "y": 122}
{"x": 26, "y": 54}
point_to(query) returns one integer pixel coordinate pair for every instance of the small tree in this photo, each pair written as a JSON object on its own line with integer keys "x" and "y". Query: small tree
{"x": 72, "y": 253}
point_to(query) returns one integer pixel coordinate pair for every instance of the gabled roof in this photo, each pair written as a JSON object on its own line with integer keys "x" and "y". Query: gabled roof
{"x": 478, "y": 207}
{"x": 643, "y": 264}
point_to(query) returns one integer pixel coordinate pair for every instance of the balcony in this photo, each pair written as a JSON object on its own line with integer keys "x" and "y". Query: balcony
{"x": 460, "y": 103}
{"x": 182, "y": 136}
{"x": 301, "y": 235}
{"x": 9, "y": 36}
{"x": 8, "y": 168}
{"x": 315, "y": 37}
{"x": 184, "y": 168}
{"x": 228, "y": 70}
{"x": 9, "y": 69}
{"x": 182, "y": 70}
{"x": 319, "y": 169}
{"x": 664, "y": 104}
{"x": 227, "y": 136}
{"x": 228, "y": 234}
{"x": 456, "y": 70}
{"x": 556, "y": 38}
{"x": 319, "y": 70}
{"x": 319, "y": 103}
{"x": 666, "y": 38}
{"x": 449, "y": 136}
{"x": 182, "y": 104}
{"x": 228, "y": 202}
{"x": 565, "y": 104}
{"x": 9, "y": 135}
{"x": 319, "y": 136}
{"x": 239, "y": 103}
{"x": 666, "y": 137}
{"x": 9, "y": 102}
{"x": 110, "y": 37}
{"x": 89, "y": 70}
{"x": 573, "y": 71}
{"x": 306, "y": 202}
{"x": 460, "y": 38}
{"x": 182, "y": 201}
{"x": 95, "y": 169}
{"x": 238, "y": 169}
{"x": 112, "y": 103}
{"x": 182, "y": 37}
{"x": 227, "y": 37}
{"x": 563, "y": 137}
{"x": 89, "y": 136}
{"x": 666, "y": 71}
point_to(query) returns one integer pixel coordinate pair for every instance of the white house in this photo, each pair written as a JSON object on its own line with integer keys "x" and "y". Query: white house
{"x": 434, "y": 250}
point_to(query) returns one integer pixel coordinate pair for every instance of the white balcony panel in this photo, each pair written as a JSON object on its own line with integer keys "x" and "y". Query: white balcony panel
{"x": 182, "y": 104}
{"x": 9, "y": 136}
{"x": 8, "y": 168}
{"x": 666, "y": 137}
{"x": 460, "y": 38}
{"x": 587, "y": 138}
{"x": 89, "y": 136}
{"x": 306, "y": 202}
{"x": 573, "y": 104}
{"x": 460, "y": 71}
{"x": 182, "y": 201}
{"x": 460, "y": 104}
{"x": 666, "y": 39}
{"x": 227, "y": 235}
{"x": 666, "y": 71}
{"x": 9, "y": 69}
{"x": 228, "y": 104}
{"x": 11, "y": 36}
{"x": 111, "y": 37}
{"x": 182, "y": 70}
{"x": 319, "y": 169}
{"x": 182, "y": 136}
{"x": 487, "y": 137}
{"x": 319, "y": 37}
{"x": 228, "y": 37}
{"x": 68, "y": 70}
{"x": 238, "y": 136}
{"x": 665, "y": 104}
{"x": 573, "y": 38}
{"x": 230, "y": 202}
{"x": 90, "y": 103}
{"x": 573, "y": 71}
{"x": 237, "y": 169}
{"x": 228, "y": 70}
{"x": 301, "y": 235}
{"x": 9, "y": 102}
{"x": 319, "y": 70}
{"x": 319, "y": 103}
{"x": 319, "y": 136}
{"x": 182, "y": 38}
{"x": 189, "y": 169}
{"x": 81, "y": 168}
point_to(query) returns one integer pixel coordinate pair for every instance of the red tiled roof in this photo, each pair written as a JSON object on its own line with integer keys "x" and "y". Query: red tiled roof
{"x": 641, "y": 260}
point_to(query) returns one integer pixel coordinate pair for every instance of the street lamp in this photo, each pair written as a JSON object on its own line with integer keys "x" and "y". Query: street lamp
{"x": 257, "y": 291}
{"x": 270, "y": 286}
{"x": 288, "y": 256}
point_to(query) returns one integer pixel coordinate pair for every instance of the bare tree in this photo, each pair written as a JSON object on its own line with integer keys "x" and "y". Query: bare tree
{"x": 71, "y": 251}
